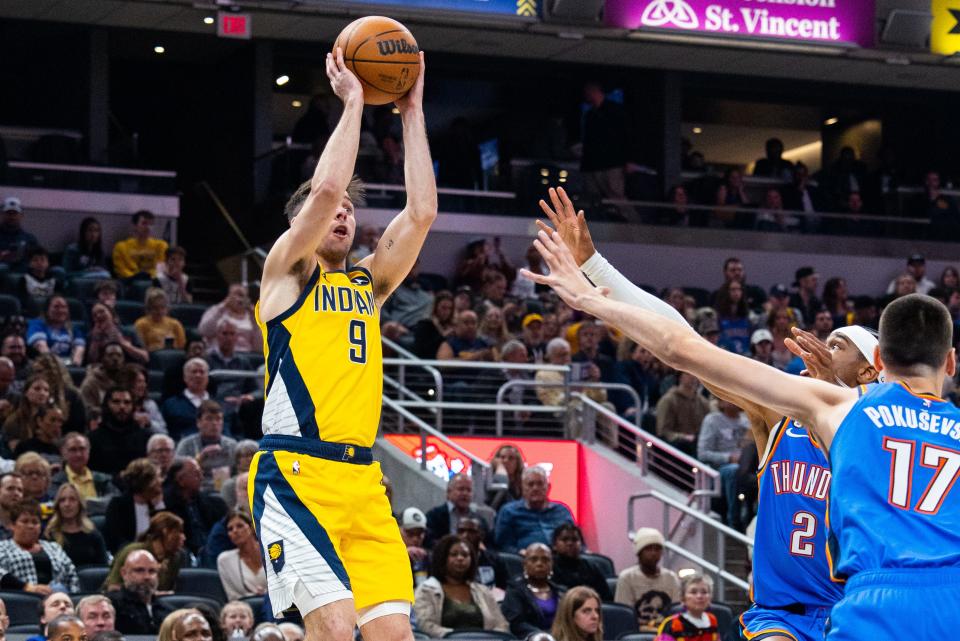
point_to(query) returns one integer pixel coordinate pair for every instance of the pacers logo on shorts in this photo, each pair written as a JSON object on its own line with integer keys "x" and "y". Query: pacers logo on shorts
{"x": 349, "y": 452}
{"x": 275, "y": 552}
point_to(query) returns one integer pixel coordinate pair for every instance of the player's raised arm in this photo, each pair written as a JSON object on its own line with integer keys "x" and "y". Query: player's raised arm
{"x": 811, "y": 402}
{"x": 329, "y": 183}
{"x": 402, "y": 240}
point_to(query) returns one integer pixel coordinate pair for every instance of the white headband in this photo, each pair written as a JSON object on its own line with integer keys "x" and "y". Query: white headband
{"x": 864, "y": 340}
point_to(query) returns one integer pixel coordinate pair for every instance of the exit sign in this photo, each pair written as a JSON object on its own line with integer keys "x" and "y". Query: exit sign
{"x": 234, "y": 25}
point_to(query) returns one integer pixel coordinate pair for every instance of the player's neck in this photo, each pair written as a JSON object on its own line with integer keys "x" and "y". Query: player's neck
{"x": 332, "y": 266}
{"x": 931, "y": 385}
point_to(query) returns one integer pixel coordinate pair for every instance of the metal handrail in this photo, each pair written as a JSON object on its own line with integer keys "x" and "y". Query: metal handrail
{"x": 91, "y": 169}
{"x": 458, "y": 364}
{"x": 403, "y": 363}
{"x": 245, "y": 257}
{"x": 479, "y": 467}
{"x": 533, "y": 383}
{"x": 721, "y": 530}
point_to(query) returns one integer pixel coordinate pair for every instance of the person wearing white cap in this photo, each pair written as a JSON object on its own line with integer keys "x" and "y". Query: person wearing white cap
{"x": 14, "y": 241}
{"x": 761, "y": 346}
{"x": 413, "y": 530}
{"x": 646, "y": 584}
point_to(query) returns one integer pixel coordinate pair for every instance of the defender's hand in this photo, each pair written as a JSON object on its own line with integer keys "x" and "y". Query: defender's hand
{"x": 814, "y": 353}
{"x": 570, "y": 223}
{"x": 565, "y": 277}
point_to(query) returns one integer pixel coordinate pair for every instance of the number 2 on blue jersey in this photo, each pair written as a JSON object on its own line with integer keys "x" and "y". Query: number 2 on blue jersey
{"x": 358, "y": 340}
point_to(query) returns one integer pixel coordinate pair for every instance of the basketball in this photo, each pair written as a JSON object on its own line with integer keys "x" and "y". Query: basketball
{"x": 383, "y": 55}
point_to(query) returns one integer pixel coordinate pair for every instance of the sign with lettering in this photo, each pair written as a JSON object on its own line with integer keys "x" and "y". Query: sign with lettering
{"x": 837, "y": 22}
{"x": 524, "y": 8}
{"x": 945, "y": 29}
{"x": 234, "y": 25}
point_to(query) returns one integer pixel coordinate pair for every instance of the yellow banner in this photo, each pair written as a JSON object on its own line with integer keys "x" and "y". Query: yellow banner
{"x": 945, "y": 30}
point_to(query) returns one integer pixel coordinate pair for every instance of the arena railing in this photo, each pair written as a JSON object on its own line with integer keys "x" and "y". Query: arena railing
{"x": 90, "y": 178}
{"x": 721, "y": 532}
{"x": 651, "y": 453}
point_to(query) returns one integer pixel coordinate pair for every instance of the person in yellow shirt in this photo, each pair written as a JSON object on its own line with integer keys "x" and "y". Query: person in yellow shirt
{"x": 157, "y": 330}
{"x": 140, "y": 253}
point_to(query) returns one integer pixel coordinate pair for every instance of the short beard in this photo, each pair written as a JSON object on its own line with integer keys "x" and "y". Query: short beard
{"x": 143, "y": 590}
{"x": 334, "y": 257}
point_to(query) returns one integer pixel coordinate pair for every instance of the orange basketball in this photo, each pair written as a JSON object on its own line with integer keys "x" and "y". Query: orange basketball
{"x": 383, "y": 55}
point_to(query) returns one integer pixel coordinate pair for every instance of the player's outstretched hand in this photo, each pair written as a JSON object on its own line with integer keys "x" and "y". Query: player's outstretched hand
{"x": 565, "y": 277}
{"x": 344, "y": 84}
{"x": 814, "y": 353}
{"x": 413, "y": 99}
{"x": 570, "y": 223}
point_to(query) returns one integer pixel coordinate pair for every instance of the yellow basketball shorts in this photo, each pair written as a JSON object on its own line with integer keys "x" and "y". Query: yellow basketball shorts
{"x": 322, "y": 517}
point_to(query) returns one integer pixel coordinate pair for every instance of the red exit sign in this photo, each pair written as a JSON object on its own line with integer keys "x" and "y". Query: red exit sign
{"x": 234, "y": 25}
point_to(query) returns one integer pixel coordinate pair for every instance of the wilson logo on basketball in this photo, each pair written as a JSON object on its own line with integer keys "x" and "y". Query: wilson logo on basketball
{"x": 390, "y": 47}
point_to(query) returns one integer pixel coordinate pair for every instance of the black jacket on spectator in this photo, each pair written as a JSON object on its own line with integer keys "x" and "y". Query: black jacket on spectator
{"x": 438, "y": 524}
{"x": 113, "y": 445}
{"x": 521, "y": 609}
{"x": 199, "y": 515}
{"x": 85, "y": 548}
{"x": 133, "y": 617}
{"x": 573, "y": 572}
{"x": 120, "y": 525}
{"x": 180, "y": 415}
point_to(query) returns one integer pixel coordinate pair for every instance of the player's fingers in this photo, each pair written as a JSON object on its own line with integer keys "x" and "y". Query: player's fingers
{"x": 544, "y": 226}
{"x": 567, "y": 202}
{"x": 537, "y": 278}
{"x": 545, "y": 250}
{"x": 549, "y": 212}
{"x": 341, "y": 65}
{"x": 557, "y": 203}
{"x": 794, "y": 348}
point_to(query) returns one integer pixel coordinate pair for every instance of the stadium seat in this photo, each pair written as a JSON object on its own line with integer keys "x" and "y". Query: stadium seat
{"x": 136, "y": 290}
{"x": 163, "y": 359}
{"x": 9, "y": 305}
{"x": 25, "y": 629}
{"x": 22, "y": 607}
{"x": 637, "y": 636}
{"x": 129, "y": 311}
{"x": 188, "y": 314}
{"x": 92, "y": 576}
{"x": 82, "y": 288}
{"x": 481, "y": 635}
{"x": 722, "y": 611}
{"x": 513, "y": 563}
{"x": 612, "y": 584}
{"x": 155, "y": 380}
{"x": 420, "y": 636}
{"x": 76, "y": 596}
{"x": 202, "y": 581}
{"x": 256, "y": 358}
{"x": 78, "y": 311}
{"x": 11, "y": 282}
{"x": 602, "y": 563}
{"x": 77, "y": 374}
{"x": 618, "y": 620}
{"x": 99, "y": 521}
{"x": 256, "y": 604}
{"x": 177, "y": 601}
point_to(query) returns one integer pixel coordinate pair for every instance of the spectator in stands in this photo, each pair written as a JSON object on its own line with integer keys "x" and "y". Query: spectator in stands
{"x": 493, "y": 330}
{"x": 137, "y": 610}
{"x": 128, "y": 515}
{"x": 172, "y": 279}
{"x": 483, "y": 255}
{"x": 213, "y": 451}
{"x": 464, "y": 344}
{"x": 237, "y": 307}
{"x": 719, "y": 444}
{"x": 106, "y": 330}
{"x": 836, "y": 300}
{"x": 491, "y": 571}
{"x": 569, "y": 568}
{"x": 55, "y": 334}
{"x": 733, "y": 270}
{"x": 11, "y": 495}
{"x": 267, "y": 632}
{"x": 761, "y": 346}
{"x": 506, "y": 484}
{"x": 451, "y": 599}
{"x": 183, "y": 497}
{"x": 31, "y": 564}
{"x": 413, "y": 531}
{"x": 85, "y": 258}
{"x": 694, "y": 622}
{"x": 14, "y": 347}
{"x": 489, "y": 381}
{"x": 164, "y": 540}
{"x": 119, "y": 439}
{"x": 774, "y": 165}
{"x": 54, "y": 605}
{"x": 9, "y": 388}
{"x": 730, "y": 194}
{"x": 75, "y": 453}
{"x": 822, "y": 324}
{"x": 558, "y": 353}
{"x": 523, "y": 288}
{"x": 805, "y": 298}
{"x": 232, "y": 392}
{"x": 802, "y": 196}
{"x": 219, "y": 541}
{"x": 103, "y": 375}
{"x": 71, "y": 529}
{"x": 780, "y": 299}
{"x": 368, "y": 237}
{"x": 106, "y": 292}
{"x": 156, "y": 329}
{"x": 139, "y": 255}
{"x": 493, "y": 290}
{"x": 637, "y": 368}
{"x": 242, "y": 457}
{"x": 646, "y": 584}
{"x": 146, "y": 413}
{"x": 532, "y": 518}
{"x": 532, "y": 337}
{"x": 779, "y": 326}
{"x": 443, "y": 519}
{"x": 14, "y": 241}
{"x": 292, "y": 631}
{"x": 949, "y": 278}
{"x": 45, "y": 435}
{"x": 939, "y": 209}
{"x": 19, "y": 424}
{"x": 579, "y": 616}
{"x": 588, "y": 341}
{"x": 431, "y": 332}
{"x": 38, "y": 283}
{"x": 180, "y": 411}
{"x": 845, "y": 175}
{"x": 680, "y": 413}
{"x": 241, "y": 569}
{"x": 237, "y": 615}
{"x": 35, "y": 472}
{"x": 412, "y": 302}
{"x": 530, "y": 604}
{"x": 733, "y": 317}
{"x": 62, "y": 391}
{"x": 160, "y": 451}
{"x": 605, "y": 141}
{"x": 97, "y": 613}
{"x": 917, "y": 268}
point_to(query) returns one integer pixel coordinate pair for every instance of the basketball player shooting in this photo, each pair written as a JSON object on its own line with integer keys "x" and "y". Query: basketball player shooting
{"x": 893, "y": 449}
{"x": 331, "y": 545}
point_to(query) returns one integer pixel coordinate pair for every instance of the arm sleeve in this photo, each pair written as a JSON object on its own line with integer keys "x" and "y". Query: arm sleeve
{"x": 599, "y": 270}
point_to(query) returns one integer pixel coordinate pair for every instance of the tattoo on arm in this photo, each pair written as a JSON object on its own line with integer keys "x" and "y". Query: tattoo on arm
{"x": 389, "y": 243}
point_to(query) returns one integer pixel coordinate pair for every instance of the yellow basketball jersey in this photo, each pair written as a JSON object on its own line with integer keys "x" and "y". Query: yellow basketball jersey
{"x": 324, "y": 361}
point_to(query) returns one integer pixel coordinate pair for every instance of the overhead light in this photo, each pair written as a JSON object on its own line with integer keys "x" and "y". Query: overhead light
{"x": 208, "y": 20}
{"x": 563, "y": 173}
{"x": 296, "y": 104}
{"x": 159, "y": 49}
{"x": 544, "y": 172}
{"x": 831, "y": 121}
{"x": 282, "y": 80}
{"x": 697, "y": 130}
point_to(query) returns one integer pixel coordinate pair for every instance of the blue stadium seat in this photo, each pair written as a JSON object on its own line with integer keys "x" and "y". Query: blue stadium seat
{"x": 129, "y": 311}
{"x": 9, "y": 305}
{"x": 256, "y": 604}
{"x": 177, "y": 601}
{"x": 92, "y": 576}
{"x": 24, "y": 630}
{"x": 163, "y": 359}
{"x": 513, "y": 564}
{"x": 136, "y": 290}
{"x": 618, "y": 620}
{"x": 78, "y": 311}
{"x": 22, "y": 607}
{"x": 639, "y": 636}
{"x": 82, "y": 288}
{"x": 612, "y": 584}
{"x": 99, "y": 521}
{"x": 188, "y": 314}
{"x": 202, "y": 581}
{"x": 602, "y": 563}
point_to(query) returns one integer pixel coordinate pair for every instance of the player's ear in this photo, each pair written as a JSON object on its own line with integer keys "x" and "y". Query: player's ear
{"x": 867, "y": 374}
{"x": 951, "y": 362}
{"x": 877, "y": 361}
